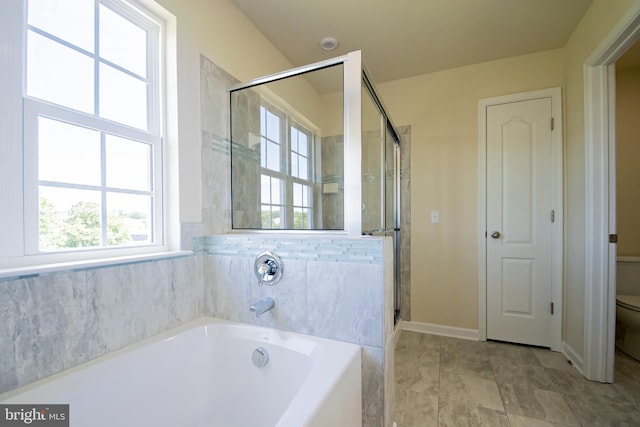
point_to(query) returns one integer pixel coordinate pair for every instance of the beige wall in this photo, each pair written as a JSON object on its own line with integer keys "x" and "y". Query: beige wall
{"x": 628, "y": 161}
{"x": 601, "y": 17}
{"x": 442, "y": 109}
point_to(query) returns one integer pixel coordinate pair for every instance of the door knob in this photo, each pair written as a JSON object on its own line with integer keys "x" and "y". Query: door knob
{"x": 495, "y": 235}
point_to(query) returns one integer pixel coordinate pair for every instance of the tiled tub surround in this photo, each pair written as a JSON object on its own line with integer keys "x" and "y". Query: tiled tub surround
{"x": 333, "y": 287}
{"x": 56, "y": 321}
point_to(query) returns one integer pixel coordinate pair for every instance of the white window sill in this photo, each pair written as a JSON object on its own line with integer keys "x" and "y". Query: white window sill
{"x": 18, "y": 272}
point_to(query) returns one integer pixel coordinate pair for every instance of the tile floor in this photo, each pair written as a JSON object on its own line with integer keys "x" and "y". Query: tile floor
{"x": 444, "y": 381}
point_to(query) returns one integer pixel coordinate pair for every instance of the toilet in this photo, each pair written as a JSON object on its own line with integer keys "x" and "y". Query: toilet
{"x": 628, "y": 319}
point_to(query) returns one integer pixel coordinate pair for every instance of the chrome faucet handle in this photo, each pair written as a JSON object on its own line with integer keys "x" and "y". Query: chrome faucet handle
{"x": 268, "y": 268}
{"x": 262, "y": 273}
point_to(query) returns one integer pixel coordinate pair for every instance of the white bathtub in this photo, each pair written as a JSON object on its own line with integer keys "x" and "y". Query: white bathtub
{"x": 201, "y": 374}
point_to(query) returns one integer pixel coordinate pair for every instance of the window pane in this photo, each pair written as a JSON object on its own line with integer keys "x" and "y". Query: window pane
{"x": 69, "y": 218}
{"x": 123, "y": 98}
{"x": 263, "y": 153}
{"x": 266, "y": 216}
{"x": 294, "y": 165}
{"x": 303, "y": 144}
{"x": 59, "y": 74}
{"x": 123, "y": 42}
{"x": 304, "y": 168}
{"x": 265, "y": 189}
{"x": 294, "y": 139}
{"x": 301, "y": 218}
{"x": 275, "y": 217}
{"x": 297, "y": 194}
{"x": 68, "y": 153}
{"x": 273, "y": 127}
{"x": 70, "y": 20}
{"x": 273, "y": 156}
{"x": 301, "y": 194}
{"x": 270, "y": 216}
{"x": 128, "y": 164}
{"x": 275, "y": 191}
{"x": 128, "y": 219}
{"x": 263, "y": 121}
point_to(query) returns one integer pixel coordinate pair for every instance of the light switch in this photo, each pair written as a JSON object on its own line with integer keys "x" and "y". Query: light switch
{"x": 435, "y": 217}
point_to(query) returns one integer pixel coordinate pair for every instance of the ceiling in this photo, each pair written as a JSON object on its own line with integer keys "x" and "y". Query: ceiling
{"x": 403, "y": 38}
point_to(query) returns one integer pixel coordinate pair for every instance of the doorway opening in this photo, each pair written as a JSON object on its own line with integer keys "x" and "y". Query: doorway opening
{"x": 600, "y": 203}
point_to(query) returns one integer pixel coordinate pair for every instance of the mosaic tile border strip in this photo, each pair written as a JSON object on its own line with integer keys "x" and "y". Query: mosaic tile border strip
{"x": 364, "y": 250}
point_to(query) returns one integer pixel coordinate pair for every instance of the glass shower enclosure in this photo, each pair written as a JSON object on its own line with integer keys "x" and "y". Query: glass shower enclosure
{"x": 313, "y": 150}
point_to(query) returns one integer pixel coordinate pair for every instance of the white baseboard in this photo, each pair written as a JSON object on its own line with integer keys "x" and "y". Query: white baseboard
{"x": 447, "y": 331}
{"x": 573, "y": 356}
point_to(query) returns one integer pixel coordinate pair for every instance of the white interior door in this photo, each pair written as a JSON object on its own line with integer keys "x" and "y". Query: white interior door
{"x": 519, "y": 222}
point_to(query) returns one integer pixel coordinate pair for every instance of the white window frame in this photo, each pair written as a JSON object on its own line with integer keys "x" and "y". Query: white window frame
{"x": 293, "y": 124}
{"x": 18, "y": 152}
{"x": 279, "y": 174}
{"x": 286, "y": 191}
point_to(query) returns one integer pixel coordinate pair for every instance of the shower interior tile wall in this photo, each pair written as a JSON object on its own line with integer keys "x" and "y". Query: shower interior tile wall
{"x": 215, "y": 149}
{"x": 405, "y": 222}
{"x": 331, "y": 151}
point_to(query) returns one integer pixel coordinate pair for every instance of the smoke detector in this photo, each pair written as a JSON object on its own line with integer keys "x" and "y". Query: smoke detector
{"x": 328, "y": 43}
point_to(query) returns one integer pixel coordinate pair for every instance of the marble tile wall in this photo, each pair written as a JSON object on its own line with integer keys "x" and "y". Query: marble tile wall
{"x": 53, "y": 322}
{"x": 333, "y": 204}
{"x": 332, "y": 153}
{"x": 371, "y": 180}
{"x": 405, "y": 222}
{"x": 245, "y": 159}
{"x": 334, "y": 288}
{"x": 215, "y": 158}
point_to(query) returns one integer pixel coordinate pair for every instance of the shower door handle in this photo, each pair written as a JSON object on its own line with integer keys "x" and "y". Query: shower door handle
{"x": 495, "y": 235}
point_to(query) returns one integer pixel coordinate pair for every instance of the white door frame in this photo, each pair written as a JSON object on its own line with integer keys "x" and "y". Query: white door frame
{"x": 557, "y": 200}
{"x": 599, "y": 114}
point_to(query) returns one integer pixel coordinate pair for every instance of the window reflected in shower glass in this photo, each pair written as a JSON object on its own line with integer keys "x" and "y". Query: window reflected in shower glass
{"x": 271, "y": 202}
{"x": 299, "y": 153}
{"x": 286, "y": 143}
{"x": 301, "y": 206}
{"x": 270, "y": 138}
